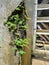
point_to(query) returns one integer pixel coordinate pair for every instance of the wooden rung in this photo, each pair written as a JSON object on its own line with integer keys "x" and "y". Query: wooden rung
{"x": 39, "y": 44}
{"x": 43, "y": 31}
{"x": 46, "y": 37}
{"x": 42, "y": 6}
{"x": 42, "y": 42}
{"x": 45, "y": 26}
{"x": 43, "y": 18}
{"x": 42, "y": 45}
{"x": 39, "y": 41}
{"x": 41, "y": 52}
{"x": 43, "y": 21}
{"x": 43, "y": 37}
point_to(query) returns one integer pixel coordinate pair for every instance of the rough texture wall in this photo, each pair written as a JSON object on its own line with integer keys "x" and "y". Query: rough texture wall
{"x": 6, "y": 53}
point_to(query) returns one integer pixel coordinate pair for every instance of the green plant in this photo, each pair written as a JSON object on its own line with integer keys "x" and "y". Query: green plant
{"x": 20, "y": 44}
{"x": 16, "y": 24}
{"x": 21, "y": 52}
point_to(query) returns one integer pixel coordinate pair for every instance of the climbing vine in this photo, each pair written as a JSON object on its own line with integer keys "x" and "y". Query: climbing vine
{"x": 16, "y": 24}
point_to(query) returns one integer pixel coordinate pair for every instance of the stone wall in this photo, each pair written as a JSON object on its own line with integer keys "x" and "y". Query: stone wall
{"x": 6, "y": 54}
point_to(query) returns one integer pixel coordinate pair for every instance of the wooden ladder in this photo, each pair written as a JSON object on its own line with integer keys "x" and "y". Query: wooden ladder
{"x": 43, "y": 33}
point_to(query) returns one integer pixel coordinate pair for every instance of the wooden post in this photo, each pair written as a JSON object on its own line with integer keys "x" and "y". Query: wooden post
{"x": 26, "y": 59}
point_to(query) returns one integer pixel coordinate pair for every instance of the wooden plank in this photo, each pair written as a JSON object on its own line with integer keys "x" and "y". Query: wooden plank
{"x": 42, "y": 6}
{"x": 45, "y": 26}
{"x": 43, "y": 31}
{"x": 46, "y": 37}
{"x": 42, "y": 21}
{"x": 26, "y": 59}
{"x": 43, "y": 18}
{"x": 42, "y": 42}
{"x": 42, "y": 53}
{"x": 34, "y": 23}
{"x": 37, "y": 51}
{"x": 38, "y": 44}
{"x": 43, "y": 37}
{"x": 46, "y": 45}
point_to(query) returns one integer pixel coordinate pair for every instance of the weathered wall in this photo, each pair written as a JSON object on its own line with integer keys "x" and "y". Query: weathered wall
{"x": 6, "y": 8}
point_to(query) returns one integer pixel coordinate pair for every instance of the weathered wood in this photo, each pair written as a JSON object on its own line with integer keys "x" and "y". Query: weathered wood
{"x": 46, "y": 37}
{"x": 40, "y": 44}
{"x": 39, "y": 41}
{"x": 40, "y": 20}
{"x": 45, "y": 26}
{"x": 43, "y": 33}
{"x": 26, "y": 59}
{"x": 43, "y": 7}
{"x": 43, "y": 18}
{"x": 42, "y": 30}
{"x": 41, "y": 52}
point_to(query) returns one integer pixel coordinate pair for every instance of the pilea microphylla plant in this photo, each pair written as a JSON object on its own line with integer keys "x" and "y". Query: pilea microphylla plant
{"x": 16, "y": 24}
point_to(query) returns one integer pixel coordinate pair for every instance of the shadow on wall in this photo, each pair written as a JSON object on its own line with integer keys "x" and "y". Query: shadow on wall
{"x": 39, "y": 1}
{"x": 43, "y": 13}
{"x": 43, "y": 1}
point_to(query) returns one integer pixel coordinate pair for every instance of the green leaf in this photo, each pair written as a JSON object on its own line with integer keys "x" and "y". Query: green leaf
{"x": 17, "y": 16}
{"x": 11, "y": 18}
{"x": 4, "y": 23}
{"x": 25, "y": 27}
{"x": 26, "y": 41}
{"x": 17, "y": 42}
{"x": 18, "y": 9}
{"x": 12, "y": 25}
{"x": 21, "y": 42}
{"x": 21, "y": 52}
{"x": 9, "y": 23}
{"x": 20, "y": 22}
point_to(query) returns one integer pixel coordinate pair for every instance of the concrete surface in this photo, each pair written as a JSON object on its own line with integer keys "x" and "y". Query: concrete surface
{"x": 6, "y": 54}
{"x": 40, "y": 61}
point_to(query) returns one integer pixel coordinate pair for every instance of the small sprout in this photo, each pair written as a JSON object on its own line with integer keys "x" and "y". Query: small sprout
{"x": 21, "y": 52}
{"x": 4, "y": 23}
{"x": 9, "y": 23}
{"x": 11, "y": 18}
{"x": 16, "y": 16}
{"x": 25, "y": 27}
{"x": 18, "y": 9}
{"x": 20, "y": 22}
{"x": 26, "y": 41}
